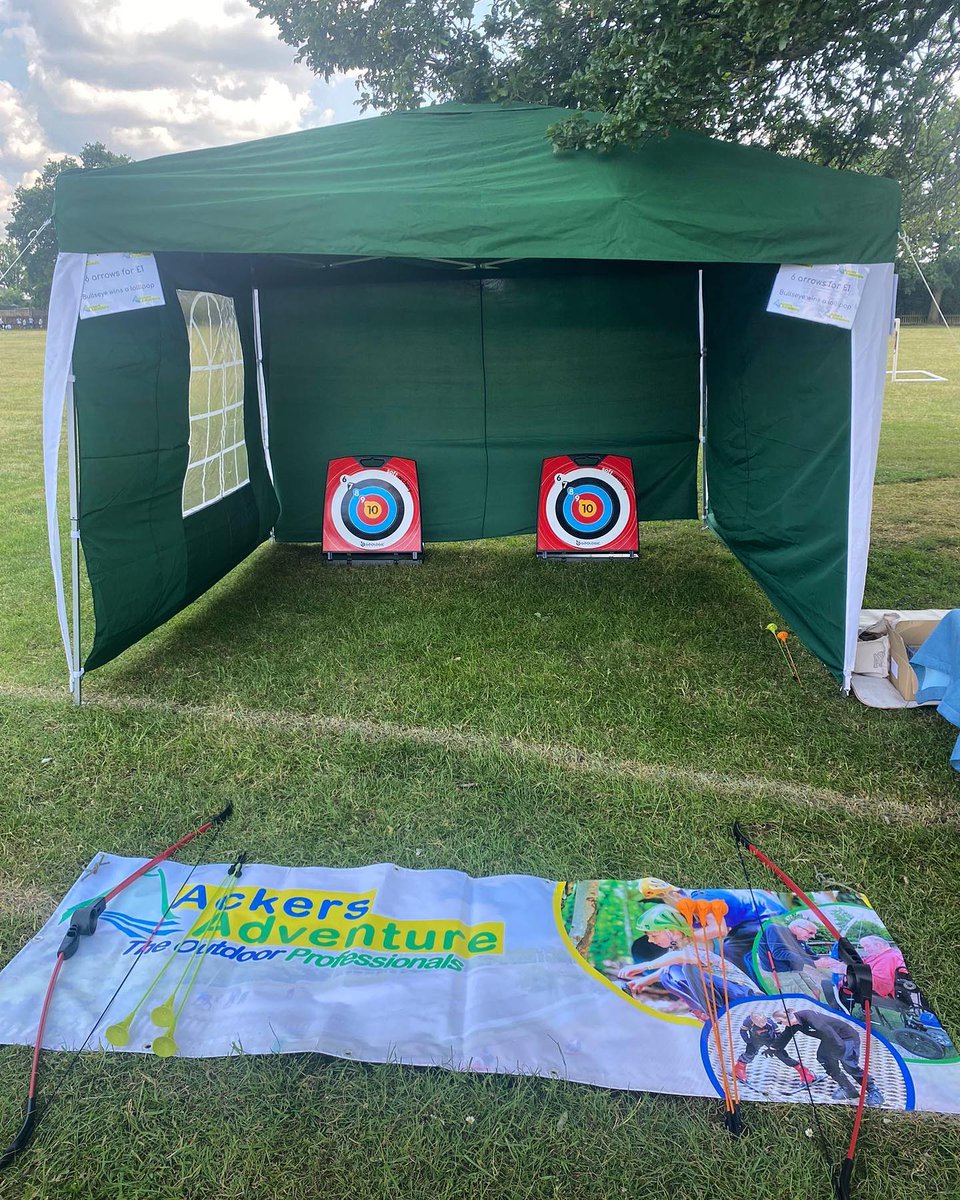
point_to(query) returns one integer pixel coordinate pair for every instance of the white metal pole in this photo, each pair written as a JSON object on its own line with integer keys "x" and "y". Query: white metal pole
{"x": 76, "y": 672}
{"x": 261, "y": 384}
{"x": 896, "y": 349}
{"x": 262, "y": 391}
{"x": 703, "y": 400}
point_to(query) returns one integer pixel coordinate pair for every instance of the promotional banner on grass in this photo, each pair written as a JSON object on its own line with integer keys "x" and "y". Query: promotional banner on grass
{"x": 598, "y": 982}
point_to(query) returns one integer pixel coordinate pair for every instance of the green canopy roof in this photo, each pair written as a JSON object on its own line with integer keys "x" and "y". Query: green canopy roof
{"x": 481, "y": 182}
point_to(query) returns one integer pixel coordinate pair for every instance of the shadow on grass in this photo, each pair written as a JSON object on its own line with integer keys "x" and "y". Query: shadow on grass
{"x": 664, "y": 659}
{"x": 287, "y": 623}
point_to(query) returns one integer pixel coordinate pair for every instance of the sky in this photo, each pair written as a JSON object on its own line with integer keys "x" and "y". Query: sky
{"x": 147, "y": 77}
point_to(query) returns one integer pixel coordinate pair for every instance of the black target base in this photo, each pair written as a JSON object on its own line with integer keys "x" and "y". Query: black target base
{"x": 375, "y": 559}
{"x": 573, "y": 556}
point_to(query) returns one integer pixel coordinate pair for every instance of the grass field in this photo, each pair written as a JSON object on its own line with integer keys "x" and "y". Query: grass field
{"x": 611, "y": 727}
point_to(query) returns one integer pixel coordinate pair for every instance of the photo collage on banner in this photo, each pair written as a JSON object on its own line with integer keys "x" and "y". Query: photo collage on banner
{"x": 768, "y": 990}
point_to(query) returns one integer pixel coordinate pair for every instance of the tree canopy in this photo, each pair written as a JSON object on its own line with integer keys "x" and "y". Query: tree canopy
{"x": 11, "y": 293}
{"x": 930, "y": 178}
{"x": 827, "y": 79}
{"x": 33, "y": 205}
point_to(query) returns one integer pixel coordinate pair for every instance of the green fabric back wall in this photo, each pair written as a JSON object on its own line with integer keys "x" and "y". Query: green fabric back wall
{"x": 591, "y": 358}
{"x": 778, "y": 451}
{"x": 367, "y": 367}
{"x": 479, "y": 376}
{"x": 145, "y": 561}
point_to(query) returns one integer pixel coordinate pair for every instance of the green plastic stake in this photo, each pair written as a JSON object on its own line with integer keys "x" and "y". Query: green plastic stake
{"x": 118, "y": 1034}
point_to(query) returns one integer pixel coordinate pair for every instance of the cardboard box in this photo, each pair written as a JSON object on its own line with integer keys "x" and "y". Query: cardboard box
{"x": 905, "y": 638}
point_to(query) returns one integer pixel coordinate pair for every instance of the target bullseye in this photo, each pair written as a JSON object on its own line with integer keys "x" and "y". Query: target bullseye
{"x": 588, "y": 508}
{"x": 374, "y": 510}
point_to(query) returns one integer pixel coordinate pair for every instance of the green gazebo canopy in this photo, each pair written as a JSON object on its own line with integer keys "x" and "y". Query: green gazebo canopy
{"x": 441, "y": 285}
{"x": 482, "y": 182}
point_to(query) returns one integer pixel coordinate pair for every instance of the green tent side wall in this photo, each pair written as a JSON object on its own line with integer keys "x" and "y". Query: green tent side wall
{"x": 778, "y": 451}
{"x": 145, "y": 561}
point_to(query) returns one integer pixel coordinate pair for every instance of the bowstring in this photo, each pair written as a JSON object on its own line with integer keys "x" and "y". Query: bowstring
{"x": 821, "y": 1133}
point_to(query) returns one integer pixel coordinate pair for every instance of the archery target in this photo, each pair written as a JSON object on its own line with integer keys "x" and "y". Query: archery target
{"x": 372, "y": 509}
{"x": 586, "y": 508}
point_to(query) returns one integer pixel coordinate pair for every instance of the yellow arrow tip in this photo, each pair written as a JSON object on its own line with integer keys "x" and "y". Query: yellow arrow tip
{"x": 164, "y": 1046}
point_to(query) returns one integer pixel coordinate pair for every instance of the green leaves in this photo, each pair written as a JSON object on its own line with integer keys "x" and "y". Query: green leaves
{"x": 827, "y": 79}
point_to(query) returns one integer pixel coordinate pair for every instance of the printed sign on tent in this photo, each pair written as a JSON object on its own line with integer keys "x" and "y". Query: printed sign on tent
{"x": 829, "y": 295}
{"x": 601, "y": 981}
{"x": 115, "y": 283}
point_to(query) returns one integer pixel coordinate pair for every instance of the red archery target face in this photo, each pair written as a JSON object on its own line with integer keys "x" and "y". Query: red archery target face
{"x": 372, "y": 509}
{"x": 586, "y": 508}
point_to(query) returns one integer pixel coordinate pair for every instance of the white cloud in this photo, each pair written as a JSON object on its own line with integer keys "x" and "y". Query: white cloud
{"x": 147, "y": 79}
{"x": 6, "y": 198}
{"x": 21, "y": 138}
{"x": 23, "y": 146}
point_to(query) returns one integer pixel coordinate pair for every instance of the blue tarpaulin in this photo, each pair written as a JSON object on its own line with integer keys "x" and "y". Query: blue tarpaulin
{"x": 937, "y": 664}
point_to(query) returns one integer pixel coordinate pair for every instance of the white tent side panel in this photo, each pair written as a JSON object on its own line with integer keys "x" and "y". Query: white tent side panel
{"x": 868, "y": 362}
{"x": 63, "y": 315}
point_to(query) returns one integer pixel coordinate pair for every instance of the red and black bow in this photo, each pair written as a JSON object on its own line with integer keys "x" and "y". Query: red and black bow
{"x": 858, "y": 984}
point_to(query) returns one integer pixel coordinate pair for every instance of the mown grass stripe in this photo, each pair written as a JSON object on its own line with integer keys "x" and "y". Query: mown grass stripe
{"x": 568, "y": 758}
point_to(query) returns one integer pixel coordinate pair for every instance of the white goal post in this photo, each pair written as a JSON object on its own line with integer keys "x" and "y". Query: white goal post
{"x": 912, "y": 376}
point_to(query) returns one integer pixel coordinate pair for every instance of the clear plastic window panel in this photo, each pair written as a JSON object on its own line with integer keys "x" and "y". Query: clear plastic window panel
{"x": 218, "y": 451}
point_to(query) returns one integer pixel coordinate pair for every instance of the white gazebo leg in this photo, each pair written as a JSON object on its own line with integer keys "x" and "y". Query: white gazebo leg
{"x": 73, "y": 457}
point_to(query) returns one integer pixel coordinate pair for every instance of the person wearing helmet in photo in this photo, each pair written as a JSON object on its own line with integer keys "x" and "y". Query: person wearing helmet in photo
{"x": 739, "y": 928}
{"x": 676, "y": 970}
{"x": 760, "y": 1033}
